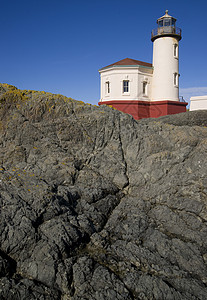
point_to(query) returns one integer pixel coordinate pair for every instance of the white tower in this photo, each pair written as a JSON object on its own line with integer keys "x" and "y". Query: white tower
{"x": 165, "y": 38}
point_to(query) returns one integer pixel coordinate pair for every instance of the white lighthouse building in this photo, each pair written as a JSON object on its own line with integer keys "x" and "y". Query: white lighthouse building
{"x": 165, "y": 38}
{"x": 143, "y": 89}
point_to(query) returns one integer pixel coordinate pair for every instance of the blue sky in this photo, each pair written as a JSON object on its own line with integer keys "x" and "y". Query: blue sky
{"x": 58, "y": 46}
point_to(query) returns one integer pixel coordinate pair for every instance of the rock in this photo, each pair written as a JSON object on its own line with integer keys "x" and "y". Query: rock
{"x": 96, "y": 205}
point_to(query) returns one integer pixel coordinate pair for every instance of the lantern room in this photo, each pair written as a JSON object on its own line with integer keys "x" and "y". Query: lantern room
{"x": 166, "y": 27}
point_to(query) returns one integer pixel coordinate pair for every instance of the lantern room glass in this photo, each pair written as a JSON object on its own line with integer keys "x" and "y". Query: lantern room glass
{"x": 166, "y": 22}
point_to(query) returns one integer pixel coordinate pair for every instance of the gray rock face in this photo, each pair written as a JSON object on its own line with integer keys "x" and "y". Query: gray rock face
{"x": 96, "y": 205}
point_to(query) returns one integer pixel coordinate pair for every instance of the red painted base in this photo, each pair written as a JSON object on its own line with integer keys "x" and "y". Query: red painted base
{"x": 147, "y": 109}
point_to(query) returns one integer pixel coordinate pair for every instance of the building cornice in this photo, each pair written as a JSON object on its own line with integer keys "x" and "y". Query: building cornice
{"x": 124, "y": 66}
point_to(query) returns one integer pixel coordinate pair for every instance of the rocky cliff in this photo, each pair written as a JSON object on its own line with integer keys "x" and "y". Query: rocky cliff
{"x": 96, "y": 205}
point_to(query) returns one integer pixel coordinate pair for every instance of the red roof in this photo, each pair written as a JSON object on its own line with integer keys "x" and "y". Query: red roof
{"x": 129, "y": 62}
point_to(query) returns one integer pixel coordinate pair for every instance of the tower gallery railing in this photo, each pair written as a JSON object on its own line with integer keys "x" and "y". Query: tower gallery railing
{"x": 166, "y": 30}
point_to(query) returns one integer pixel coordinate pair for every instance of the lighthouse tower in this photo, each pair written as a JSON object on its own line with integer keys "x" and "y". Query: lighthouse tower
{"x": 142, "y": 89}
{"x": 165, "y": 38}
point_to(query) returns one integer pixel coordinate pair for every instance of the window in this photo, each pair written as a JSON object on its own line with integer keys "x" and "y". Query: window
{"x": 144, "y": 88}
{"x": 175, "y": 50}
{"x": 176, "y": 79}
{"x": 160, "y": 23}
{"x": 107, "y": 87}
{"x": 125, "y": 86}
{"x": 166, "y": 22}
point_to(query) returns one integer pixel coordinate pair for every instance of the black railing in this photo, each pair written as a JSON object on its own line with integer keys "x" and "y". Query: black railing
{"x": 166, "y": 30}
{"x": 181, "y": 99}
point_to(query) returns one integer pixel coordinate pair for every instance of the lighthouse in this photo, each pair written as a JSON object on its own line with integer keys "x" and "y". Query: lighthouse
{"x": 142, "y": 89}
{"x": 165, "y": 38}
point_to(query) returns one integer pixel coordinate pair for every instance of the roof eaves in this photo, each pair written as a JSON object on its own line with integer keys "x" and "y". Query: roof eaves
{"x": 125, "y": 66}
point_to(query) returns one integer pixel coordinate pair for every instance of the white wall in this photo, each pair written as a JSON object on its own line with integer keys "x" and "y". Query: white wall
{"x": 145, "y": 75}
{"x": 165, "y": 64}
{"x": 198, "y": 103}
{"x": 116, "y": 75}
